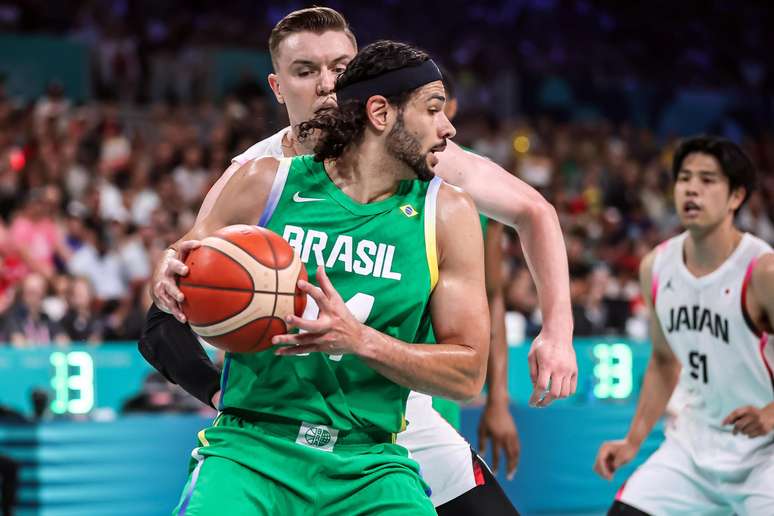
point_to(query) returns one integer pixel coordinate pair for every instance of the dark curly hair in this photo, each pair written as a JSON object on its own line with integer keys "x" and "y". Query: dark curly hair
{"x": 345, "y": 124}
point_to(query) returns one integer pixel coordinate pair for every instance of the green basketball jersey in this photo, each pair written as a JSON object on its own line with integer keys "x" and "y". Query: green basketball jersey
{"x": 381, "y": 258}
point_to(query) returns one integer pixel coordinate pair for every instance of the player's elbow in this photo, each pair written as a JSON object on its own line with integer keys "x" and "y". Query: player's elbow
{"x": 473, "y": 378}
{"x": 664, "y": 359}
{"x": 535, "y": 212}
{"x": 473, "y": 387}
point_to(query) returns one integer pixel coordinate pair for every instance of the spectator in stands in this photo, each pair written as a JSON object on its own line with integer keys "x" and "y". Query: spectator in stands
{"x": 190, "y": 176}
{"x": 27, "y": 325}
{"x": 594, "y": 311}
{"x": 35, "y": 231}
{"x": 80, "y": 322}
{"x": 52, "y": 105}
{"x": 753, "y": 218}
{"x": 159, "y": 395}
{"x": 55, "y": 303}
{"x": 15, "y": 263}
{"x": 103, "y": 267}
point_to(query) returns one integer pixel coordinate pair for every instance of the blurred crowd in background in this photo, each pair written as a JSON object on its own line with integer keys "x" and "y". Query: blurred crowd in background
{"x": 92, "y": 192}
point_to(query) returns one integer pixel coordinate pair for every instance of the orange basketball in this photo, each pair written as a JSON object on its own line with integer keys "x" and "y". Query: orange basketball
{"x": 241, "y": 284}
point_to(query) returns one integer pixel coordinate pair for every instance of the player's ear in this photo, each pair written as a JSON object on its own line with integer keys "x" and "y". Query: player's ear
{"x": 275, "y": 87}
{"x": 450, "y": 108}
{"x": 738, "y": 196}
{"x": 378, "y": 112}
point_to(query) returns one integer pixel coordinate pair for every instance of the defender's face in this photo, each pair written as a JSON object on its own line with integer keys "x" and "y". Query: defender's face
{"x": 307, "y": 67}
{"x": 702, "y": 196}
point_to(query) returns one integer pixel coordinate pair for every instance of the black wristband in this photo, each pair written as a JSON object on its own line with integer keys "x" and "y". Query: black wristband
{"x": 172, "y": 349}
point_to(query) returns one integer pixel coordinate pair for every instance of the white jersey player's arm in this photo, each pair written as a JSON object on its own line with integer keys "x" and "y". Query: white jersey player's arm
{"x": 750, "y": 420}
{"x": 505, "y": 198}
{"x": 241, "y": 199}
{"x": 660, "y": 381}
{"x": 238, "y": 197}
{"x": 761, "y": 302}
{"x": 663, "y": 369}
{"x": 454, "y": 367}
{"x": 215, "y": 190}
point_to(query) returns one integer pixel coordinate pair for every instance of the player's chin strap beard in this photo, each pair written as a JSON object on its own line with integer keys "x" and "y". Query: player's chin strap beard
{"x": 391, "y": 83}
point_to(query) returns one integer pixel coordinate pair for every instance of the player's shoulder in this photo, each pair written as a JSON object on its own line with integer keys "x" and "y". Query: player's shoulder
{"x": 661, "y": 253}
{"x": 257, "y": 173}
{"x": 646, "y": 266}
{"x": 454, "y": 202}
{"x": 271, "y": 146}
{"x": 763, "y": 272}
{"x": 757, "y": 244}
{"x": 650, "y": 262}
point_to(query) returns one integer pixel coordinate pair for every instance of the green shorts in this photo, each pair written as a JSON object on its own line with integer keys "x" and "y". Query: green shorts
{"x": 283, "y": 468}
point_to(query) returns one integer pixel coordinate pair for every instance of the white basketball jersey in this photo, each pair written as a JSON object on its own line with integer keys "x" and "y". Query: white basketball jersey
{"x": 269, "y": 147}
{"x": 726, "y": 363}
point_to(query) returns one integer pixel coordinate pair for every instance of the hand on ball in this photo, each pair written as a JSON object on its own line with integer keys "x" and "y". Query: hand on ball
{"x": 335, "y": 331}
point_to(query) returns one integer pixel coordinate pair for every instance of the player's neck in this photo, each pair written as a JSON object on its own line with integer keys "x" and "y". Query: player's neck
{"x": 292, "y": 146}
{"x": 366, "y": 173}
{"x": 706, "y": 250}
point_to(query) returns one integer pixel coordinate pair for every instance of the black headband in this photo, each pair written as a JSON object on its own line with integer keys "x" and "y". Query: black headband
{"x": 391, "y": 83}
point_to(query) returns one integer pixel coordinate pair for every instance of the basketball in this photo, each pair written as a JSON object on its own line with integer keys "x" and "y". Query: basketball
{"x": 241, "y": 284}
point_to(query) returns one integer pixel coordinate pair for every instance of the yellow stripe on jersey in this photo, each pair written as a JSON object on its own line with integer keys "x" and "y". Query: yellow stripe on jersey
{"x": 203, "y": 439}
{"x": 431, "y": 248}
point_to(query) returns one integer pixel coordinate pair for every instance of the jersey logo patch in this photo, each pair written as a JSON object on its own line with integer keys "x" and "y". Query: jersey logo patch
{"x": 297, "y": 198}
{"x": 409, "y": 211}
{"x": 321, "y": 437}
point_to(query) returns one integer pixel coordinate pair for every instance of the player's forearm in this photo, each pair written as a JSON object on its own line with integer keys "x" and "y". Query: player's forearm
{"x": 497, "y": 363}
{"x": 454, "y": 371}
{"x": 657, "y": 387}
{"x": 546, "y": 255}
{"x": 173, "y": 350}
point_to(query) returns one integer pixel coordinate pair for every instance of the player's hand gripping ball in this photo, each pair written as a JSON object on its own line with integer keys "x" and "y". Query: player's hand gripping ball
{"x": 242, "y": 282}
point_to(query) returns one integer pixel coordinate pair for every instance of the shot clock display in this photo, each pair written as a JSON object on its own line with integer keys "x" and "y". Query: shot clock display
{"x": 613, "y": 371}
{"x": 80, "y": 379}
{"x": 72, "y": 382}
{"x": 77, "y": 379}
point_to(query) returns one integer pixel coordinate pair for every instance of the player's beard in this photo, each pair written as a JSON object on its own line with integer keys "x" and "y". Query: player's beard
{"x": 404, "y": 146}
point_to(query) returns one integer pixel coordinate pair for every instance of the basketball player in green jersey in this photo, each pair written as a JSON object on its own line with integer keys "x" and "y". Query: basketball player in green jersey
{"x": 309, "y": 48}
{"x": 310, "y": 428}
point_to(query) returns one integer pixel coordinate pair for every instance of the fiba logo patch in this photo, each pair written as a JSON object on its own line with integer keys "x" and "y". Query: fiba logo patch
{"x": 317, "y": 436}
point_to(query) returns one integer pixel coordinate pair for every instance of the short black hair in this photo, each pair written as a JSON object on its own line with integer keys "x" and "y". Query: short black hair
{"x": 313, "y": 19}
{"x": 734, "y": 163}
